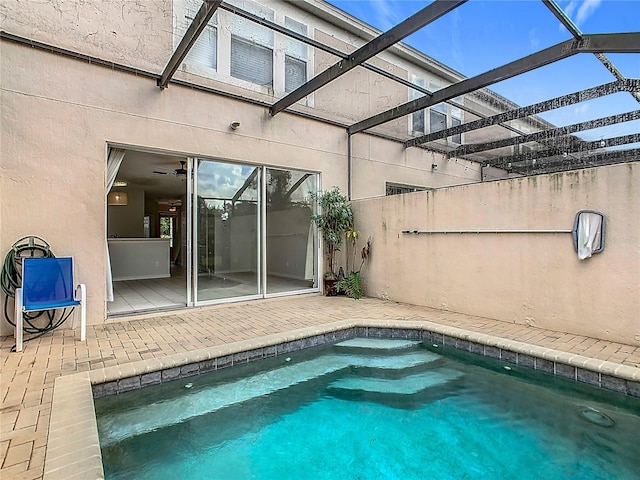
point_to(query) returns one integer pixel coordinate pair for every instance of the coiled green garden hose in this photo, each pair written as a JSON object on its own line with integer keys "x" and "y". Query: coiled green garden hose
{"x": 11, "y": 278}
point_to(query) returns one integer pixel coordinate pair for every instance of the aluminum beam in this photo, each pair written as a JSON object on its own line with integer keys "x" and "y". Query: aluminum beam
{"x": 563, "y": 18}
{"x": 297, "y": 185}
{"x": 603, "y": 42}
{"x": 207, "y": 9}
{"x": 425, "y": 16}
{"x": 577, "y": 34}
{"x": 510, "y": 161}
{"x": 245, "y": 185}
{"x": 554, "y": 103}
{"x": 615, "y": 72}
{"x": 590, "y": 161}
{"x": 333, "y": 51}
{"x": 550, "y": 134}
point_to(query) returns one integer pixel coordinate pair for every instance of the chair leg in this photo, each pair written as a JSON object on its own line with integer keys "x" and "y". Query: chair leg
{"x": 81, "y": 295}
{"x": 19, "y": 319}
{"x": 83, "y": 312}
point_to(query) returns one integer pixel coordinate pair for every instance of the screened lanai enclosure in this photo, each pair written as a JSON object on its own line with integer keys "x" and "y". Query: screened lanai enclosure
{"x": 538, "y": 97}
{"x": 570, "y": 98}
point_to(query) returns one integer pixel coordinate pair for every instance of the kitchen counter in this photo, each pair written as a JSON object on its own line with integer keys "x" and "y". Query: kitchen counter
{"x": 139, "y": 258}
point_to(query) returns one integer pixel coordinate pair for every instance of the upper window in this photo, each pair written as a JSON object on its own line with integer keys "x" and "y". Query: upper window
{"x": 235, "y": 50}
{"x": 417, "y": 118}
{"x": 436, "y": 118}
{"x": 204, "y": 51}
{"x": 296, "y": 57}
{"x": 251, "y": 62}
{"x": 437, "y": 113}
{"x": 456, "y": 119}
{"x": 526, "y": 148}
{"x": 252, "y": 47}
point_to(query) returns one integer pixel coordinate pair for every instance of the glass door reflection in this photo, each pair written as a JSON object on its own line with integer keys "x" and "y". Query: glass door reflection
{"x": 227, "y": 230}
{"x": 291, "y": 242}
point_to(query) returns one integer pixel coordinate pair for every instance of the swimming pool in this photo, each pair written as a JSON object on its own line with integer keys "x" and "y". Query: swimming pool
{"x": 367, "y": 409}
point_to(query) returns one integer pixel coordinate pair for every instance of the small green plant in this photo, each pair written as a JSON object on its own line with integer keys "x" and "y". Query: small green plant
{"x": 351, "y": 285}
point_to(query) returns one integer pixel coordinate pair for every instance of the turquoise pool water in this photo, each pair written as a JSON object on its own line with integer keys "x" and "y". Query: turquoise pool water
{"x": 369, "y": 410}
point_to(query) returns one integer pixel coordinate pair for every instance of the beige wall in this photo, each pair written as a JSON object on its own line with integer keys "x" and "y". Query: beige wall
{"x": 377, "y": 161}
{"x": 531, "y": 279}
{"x": 55, "y": 132}
{"x": 133, "y": 33}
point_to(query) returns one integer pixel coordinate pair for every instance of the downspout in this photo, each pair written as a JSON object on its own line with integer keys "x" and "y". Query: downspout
{"x": 348, "y": 166}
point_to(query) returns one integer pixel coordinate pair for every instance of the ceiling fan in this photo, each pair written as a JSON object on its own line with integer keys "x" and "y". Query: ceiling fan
{"x": 182, "y": 171}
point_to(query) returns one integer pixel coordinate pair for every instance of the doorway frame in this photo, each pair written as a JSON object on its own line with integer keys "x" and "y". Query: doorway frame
{"x": 261, "y": 247}
{"x": 190, "y": 215}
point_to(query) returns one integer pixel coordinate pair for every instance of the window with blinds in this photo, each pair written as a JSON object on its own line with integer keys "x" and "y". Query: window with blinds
{"x": 437, "y": 113}
{"x": 296, "y": 57}
{"x": 417, "y": 118}
{"x": 251, "y": 62}
{"x": 456, "y": 119}
{"x": 295, "y": 73}
{"x": 252, "y": 46}
{"x": 204, "y": 52}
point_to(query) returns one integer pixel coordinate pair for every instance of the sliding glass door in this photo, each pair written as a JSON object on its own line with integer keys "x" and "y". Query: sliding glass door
{"x": 291, "y": 244}
{"x": 253, "y": 232}
{"x": 227, "y": 220}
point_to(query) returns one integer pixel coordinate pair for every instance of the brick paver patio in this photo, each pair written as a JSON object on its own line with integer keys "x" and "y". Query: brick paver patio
{"x": 26, "y": 379}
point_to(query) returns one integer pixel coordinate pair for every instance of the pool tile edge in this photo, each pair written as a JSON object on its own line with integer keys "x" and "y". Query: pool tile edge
{"x": 73, "y": 394}
{"x": 73, "y": 446}
{"x": 109, "y": 380}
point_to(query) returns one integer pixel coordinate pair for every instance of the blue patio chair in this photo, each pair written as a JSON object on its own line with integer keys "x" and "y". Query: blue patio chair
{"x": 47, "y": 284}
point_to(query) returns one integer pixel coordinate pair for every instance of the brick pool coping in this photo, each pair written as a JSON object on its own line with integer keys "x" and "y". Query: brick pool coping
{"x": 73, "y": 447}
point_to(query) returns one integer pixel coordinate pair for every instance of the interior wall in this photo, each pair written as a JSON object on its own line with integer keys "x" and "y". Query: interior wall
{"x": 126, "y": 221}
{"x": 529, "y": 279}
{"x": 151, "y": 210}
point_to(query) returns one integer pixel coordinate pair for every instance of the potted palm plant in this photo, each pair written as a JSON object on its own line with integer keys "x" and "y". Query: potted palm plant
{"x": 334, "y": 220}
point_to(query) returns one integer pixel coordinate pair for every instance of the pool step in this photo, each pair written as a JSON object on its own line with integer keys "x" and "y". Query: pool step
{"x": 408, "y": 385}
{"x": 378, "y": 343}
{"x": 116, "y": 426}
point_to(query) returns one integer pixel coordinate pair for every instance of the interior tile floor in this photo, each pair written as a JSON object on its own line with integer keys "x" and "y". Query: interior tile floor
{"x": 147, "y": 295}
{"x": 26, "y": 378}
{"x": 158, "y": 294}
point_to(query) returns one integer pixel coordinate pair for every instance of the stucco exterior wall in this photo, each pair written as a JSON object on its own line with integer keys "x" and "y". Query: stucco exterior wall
{"x": 376, "y": 161}
{"x": 137, "y": 32}
{"x": 531, "y": 279}
{"x": 359, "y": 93}
{"x": 58, "y": 116}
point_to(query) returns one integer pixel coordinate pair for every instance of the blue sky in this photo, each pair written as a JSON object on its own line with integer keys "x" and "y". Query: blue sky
{"x": 481, "y": 35}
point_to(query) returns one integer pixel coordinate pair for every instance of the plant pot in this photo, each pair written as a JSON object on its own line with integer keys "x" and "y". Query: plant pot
{"x": 330, "y": 286}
